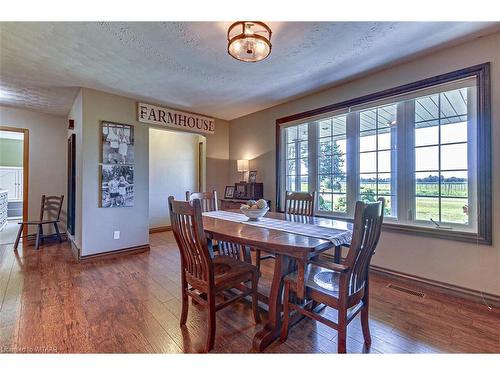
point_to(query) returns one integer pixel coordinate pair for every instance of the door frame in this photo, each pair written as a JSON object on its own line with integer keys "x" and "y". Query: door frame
{"x": 26, "y": 168}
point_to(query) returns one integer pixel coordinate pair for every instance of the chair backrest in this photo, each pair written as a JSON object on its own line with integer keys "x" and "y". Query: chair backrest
{"x": 50, "y": 207}
{"x": 187, "y": 225}
{"x": 207, "y": 199}
{"x": 368, "y": 219}
{"x": 300, "y": 203}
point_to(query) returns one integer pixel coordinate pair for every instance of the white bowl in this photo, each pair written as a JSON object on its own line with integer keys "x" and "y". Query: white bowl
{"x": 254, "y": 214}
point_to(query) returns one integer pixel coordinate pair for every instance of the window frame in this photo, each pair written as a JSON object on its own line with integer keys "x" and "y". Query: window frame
{"x": 483, "y": 187}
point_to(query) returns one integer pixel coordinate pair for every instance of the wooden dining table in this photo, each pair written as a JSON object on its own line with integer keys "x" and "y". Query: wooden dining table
{"x": 291, "y": 251}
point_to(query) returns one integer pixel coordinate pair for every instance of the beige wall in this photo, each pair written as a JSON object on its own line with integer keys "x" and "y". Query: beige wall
{"x": 467, "y": 265}
{"x": 98, "y": 224}
{"x": 173, "y": 169}
{"x": 47, "y": 155}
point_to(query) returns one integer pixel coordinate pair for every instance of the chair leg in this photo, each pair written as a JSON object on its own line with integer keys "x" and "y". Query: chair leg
{"x": 19, "y": 233}
{"x": 286, "y": 313}
{"x": 342, "y": 328}
{"x": 38, "y": 235}
{"x": 211, "y": 323}
{"x": 255, "y": 297}
{"x": 365, "y": 325}
{"x": 184, "y": 306}
{"x": 57, "y": 232}
{"x": 257, "y": 259}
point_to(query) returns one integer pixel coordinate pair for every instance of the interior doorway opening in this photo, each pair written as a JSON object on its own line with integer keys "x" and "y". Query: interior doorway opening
{"x": 177, "y": 163}
{"x": 13, "y": 181}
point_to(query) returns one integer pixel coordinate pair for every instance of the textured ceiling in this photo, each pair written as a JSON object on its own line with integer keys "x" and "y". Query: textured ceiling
{"x": 185, "y": 65}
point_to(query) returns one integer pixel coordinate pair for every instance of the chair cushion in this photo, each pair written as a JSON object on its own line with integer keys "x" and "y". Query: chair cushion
{"x": 319, "y": 279}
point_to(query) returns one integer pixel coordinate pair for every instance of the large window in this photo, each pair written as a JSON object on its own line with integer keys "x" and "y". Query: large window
{"x": 420, "y": 148}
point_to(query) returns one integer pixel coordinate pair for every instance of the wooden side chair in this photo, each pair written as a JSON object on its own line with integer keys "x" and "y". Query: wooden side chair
{"x": 300, "y": 203}
{"x": 345, "y": 286}
{"x": 208, "y": 202}
{"x": 296, "y": 203}
{"x": 204, "y": 276}
{"x": 50, "y": 213}
{"x": 207, "y": 199}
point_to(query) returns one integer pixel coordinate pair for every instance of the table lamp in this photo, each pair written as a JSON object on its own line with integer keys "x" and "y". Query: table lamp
{"x": 242, "y": 167}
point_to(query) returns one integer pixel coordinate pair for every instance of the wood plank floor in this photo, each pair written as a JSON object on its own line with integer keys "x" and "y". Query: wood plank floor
{"x": 51, "y": 303}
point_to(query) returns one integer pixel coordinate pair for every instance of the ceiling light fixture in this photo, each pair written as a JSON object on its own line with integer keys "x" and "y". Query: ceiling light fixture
{"x": 249, "y": 41}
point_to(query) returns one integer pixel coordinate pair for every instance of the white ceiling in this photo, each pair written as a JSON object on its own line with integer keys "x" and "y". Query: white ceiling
{"x": 185, "y": 65}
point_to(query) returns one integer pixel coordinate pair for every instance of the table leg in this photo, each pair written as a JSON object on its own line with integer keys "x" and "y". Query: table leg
{"x": 338, "y": 254}
{"x": 271, "y": 331}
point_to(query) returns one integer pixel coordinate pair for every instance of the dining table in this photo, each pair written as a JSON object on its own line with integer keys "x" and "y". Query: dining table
{"x": 292, "y": 239}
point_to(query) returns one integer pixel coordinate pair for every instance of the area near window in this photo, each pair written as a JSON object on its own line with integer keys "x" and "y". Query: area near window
{"x": 424, "y": 147}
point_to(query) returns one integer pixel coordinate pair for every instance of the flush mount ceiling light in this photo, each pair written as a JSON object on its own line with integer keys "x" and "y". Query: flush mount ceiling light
{"x": 249, "y": 41}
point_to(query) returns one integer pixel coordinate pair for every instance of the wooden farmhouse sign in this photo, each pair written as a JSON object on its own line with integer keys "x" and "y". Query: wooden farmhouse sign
{"x": 152, "y": 114}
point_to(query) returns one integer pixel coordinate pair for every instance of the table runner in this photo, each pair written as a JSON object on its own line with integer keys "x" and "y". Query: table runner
{"x": 335, "y": 236}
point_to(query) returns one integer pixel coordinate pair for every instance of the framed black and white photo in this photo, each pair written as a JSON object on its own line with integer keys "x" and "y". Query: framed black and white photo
{"x": 117, "y": 143}
{"x": 117, "y": 185}
{"x": 229, "y": 192}
{"x": 252, "y": 176}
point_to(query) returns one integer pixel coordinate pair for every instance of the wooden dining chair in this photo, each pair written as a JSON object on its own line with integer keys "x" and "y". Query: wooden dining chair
{"x": 296, "y": 203}
{"x": 344, "y": 286}
{"x": 207, "y": 199}
{"x": 50, "y": 213}
{"x": 203, "y": 277}
{"x": 300, "y": 203}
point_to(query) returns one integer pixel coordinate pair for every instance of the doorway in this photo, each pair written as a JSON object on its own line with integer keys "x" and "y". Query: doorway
{"x": 176, "y": 165}
{"x": 14, "y": 171}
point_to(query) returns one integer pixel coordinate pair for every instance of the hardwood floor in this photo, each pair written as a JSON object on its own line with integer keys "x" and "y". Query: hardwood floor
{"x": 51, "y": 303}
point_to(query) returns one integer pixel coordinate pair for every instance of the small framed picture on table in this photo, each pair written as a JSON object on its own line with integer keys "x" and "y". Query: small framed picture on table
{"x": 252, "y": 176}
{"x": 229, "y": 192}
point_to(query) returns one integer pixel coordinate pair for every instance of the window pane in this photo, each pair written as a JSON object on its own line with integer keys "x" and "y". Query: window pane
{"x": 325, "y": 128}
{"x": 291, "y": 167}
{"x": 427, "y": 208}
{"x": 291, "y": 134}
{"x": 304, "y": 183}
{"x": 339, "y": 203}
{"x": 384, "y": 184}
{"x": 426, "y": 108}
{"x": 303, "y": 132}
{"x": 427, "y": 183}
{"x": 454, "y": 132}
{"x": 454, "y": 184}
{"x": 368, "y": 120}
{"x": 326, "y": 146}
{"x": 290, "y": 183}
{"x": 454, "y": 156}
{"x": 367, "y": 142}
{"x": 384, "y": 161}
{"x": 368, "y": 162}
{"x": 290, "y": 154}
{"x": 453, "y": 103}
{"x": 427, "y": 136}
{"x": 368, "y": 187}
{"x": 304, "y": 166}
{"x": 325, "y": 202}
{"x": 303, "y": 149}
{"x": 325, "y": 183}
{"x": 388, "y": 209}
{"x": 339, "y": 184}
{"x": 454, "y": 210}
{"x": 427, "y": 158}
{"x": 384, "y": 140}
{"x": 386, "y": 116}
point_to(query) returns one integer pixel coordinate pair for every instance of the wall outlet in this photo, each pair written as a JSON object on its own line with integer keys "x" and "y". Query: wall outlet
{"x": 116, "y": 235}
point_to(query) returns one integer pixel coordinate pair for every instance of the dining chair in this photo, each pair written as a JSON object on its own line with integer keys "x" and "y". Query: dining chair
{"x": 341, "y": 286}
{"x": 296, "y": 203}
{"x": 300, "y": 203}
{"x": 208, "y": 199}
{"x": 50, "y": 213}
{"x": 203, "y": 277}
{"x": 208, "y": 202}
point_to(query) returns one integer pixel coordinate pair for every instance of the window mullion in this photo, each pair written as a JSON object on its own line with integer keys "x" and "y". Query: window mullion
{"x": 352, "y": 156}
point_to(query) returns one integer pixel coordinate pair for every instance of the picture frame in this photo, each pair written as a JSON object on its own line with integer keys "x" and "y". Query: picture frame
{"x": 117, "y": 143}
{"x": 240, "y": 190}
{"x": 116, "y": 185}
{"x": 252, "y": 176}
{"x": 229, "y": 192}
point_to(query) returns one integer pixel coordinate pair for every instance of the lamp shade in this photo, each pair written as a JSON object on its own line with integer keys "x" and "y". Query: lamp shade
{"x": 242, "y": 165}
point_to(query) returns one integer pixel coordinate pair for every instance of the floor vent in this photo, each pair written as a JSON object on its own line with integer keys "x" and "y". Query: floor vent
{"x": 406, "y": 290}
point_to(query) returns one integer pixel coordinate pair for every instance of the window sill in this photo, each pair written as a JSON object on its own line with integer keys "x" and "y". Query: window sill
{"x": 452, "y": 235}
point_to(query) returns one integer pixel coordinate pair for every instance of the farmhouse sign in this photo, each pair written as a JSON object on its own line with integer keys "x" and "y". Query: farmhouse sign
{"x": 152, "y": 114}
